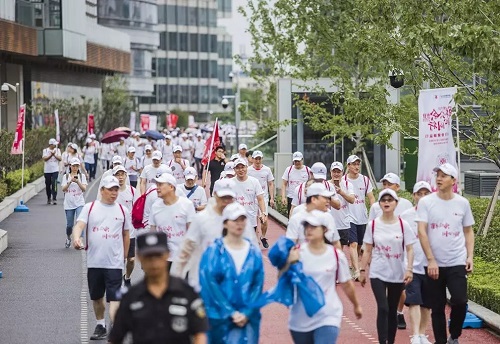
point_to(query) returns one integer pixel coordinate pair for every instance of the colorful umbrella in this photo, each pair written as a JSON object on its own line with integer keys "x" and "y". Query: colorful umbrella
{"x": 114, "y": 136}
{"x": 153, "y": 134}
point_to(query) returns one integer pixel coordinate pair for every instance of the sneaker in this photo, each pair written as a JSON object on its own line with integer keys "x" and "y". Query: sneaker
{"x": 424, "y": 340}
{"x": 401, "y": 321}
{"x": 452, "y": 341}
{"x": 68, "y": 243}
{"x": 49, "y": 201}
{"x": 99, "y": 333}
{"x": 127, "y": 282}
{"x": 54, "y": 201}
{"x": 415, "y": 339}
{"x": 264, "y": 242}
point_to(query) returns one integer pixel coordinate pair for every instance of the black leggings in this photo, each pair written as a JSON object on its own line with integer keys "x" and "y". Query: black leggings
{"x": 51, "y": 184}
{"x": 387, "y": 297}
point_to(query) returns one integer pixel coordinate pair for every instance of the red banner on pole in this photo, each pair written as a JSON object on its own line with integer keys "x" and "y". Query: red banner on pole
{"x": 211, "y": 145}
{"x": 144, "y": 123}
{"x": 90, "y": 124}
{"x": 17, "y": 145}
{"x": 171, "y": 120}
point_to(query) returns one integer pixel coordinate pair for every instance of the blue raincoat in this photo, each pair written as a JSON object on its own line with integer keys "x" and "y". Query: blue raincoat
{"x": 225, "y": 292}
{"x": 293, "y": 283}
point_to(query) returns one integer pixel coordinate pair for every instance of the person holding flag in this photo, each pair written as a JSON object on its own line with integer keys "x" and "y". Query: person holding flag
{"x": 213, "y": 159}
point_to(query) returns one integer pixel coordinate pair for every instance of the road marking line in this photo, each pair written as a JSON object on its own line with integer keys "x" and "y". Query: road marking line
{"x": 84, "y": 335}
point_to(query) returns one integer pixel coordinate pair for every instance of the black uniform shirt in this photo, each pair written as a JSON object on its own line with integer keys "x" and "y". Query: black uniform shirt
{"x": 174, "y": 318}
{"x": 215, "y": 167}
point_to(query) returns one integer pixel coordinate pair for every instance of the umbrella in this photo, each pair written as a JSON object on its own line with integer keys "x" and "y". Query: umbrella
{"x": 153, "y": 134}
{"x": 127, "y": 129}
{"x": 114, "y": 136}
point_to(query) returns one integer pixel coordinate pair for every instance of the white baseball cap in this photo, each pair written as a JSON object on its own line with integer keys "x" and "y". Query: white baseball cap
{"x": 336, "y": 165}
{"x": 190, "y": 173}
{"x": 242, "y": 146}
{"x": 163, "y": 169}
{"x": 240, "y": 162}
{"x": 225, "y": 187}
{"x": 177, "y": 149}
{"x": 75, "y": 161}
{"x": 318, "y": 170}
{"x": 257, "y": 154}
{"x": 389, "y": 192}
{"x": 352, "y": 159}
{"x": 74, "y": 146}
{"x": 184, "y": 135}
{"x": 92, "y": 136}
{"x": 53, "y": 142}
{"x": 117, "y": 160}
{"x": 89, "y": 140}
{"x": 318, "y": 189}
{"x": 136, "y": 134}
{"x": 131, "y": 149}
{"x": 297, "y": 156}
{"x": 110, "y": 182}
{"x": 229, "y": 168}
{"x": 157, "y": 155}
{"x": 233, "y": 211}
{"x": 234, "y": 157}
{"x": 166, "y": 178}
{"x": 199, "y": 135}
{"x": 148, "y": 147}
{"x": 448, "y": 169}
{"x": 168, "y": 137}
{"x": 391, "y": 178}
{"x": 421, "y": 185}
{"x": 316, "y": 218}
{"x": 119, "y": 168}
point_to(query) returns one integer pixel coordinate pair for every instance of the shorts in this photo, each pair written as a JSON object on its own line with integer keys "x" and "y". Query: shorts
{"x": 344, "y": 236}
{"x": 356, "y": 233}
{"x": 131, "y": 249}
{"x": 103, "y": 281}
{"x": 415, "y": 294}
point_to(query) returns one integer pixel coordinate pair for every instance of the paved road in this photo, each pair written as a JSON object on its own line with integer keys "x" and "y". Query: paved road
{"x": 44, "y": 298}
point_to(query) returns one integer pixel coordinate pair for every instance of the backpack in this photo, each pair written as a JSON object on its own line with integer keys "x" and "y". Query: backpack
{"x": 88, "y": 217}
{"x": 402, "y": 231}
{"x": 138, "y": 210}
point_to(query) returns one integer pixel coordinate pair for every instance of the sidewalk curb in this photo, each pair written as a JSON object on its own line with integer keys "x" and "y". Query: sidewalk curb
{"x": 490, "y": 319}
{"x": 9, "y": 203}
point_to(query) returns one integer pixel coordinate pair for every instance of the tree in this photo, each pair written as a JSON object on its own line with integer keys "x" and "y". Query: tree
{"x": 116, "y": 105}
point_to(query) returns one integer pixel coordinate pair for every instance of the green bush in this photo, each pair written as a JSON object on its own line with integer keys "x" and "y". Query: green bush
{"x": 484, "y": 285}
{"x": 3, "y": 191}
{"x": 36, "y": 170}
{"x": 13, "y": 180}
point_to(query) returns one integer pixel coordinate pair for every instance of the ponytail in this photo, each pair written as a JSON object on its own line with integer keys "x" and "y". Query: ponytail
{"x": 224, "y": 231}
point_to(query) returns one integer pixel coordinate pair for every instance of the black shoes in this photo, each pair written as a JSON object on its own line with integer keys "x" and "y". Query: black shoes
{"x": 127, "y": 282}
{"x": 401, "y": 322}
{"x": 54, "y": 201}
{"x": 264, "y": 242}
{"x": 99, "y": 333}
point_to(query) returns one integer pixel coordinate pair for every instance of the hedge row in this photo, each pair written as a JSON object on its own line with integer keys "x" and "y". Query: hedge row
{"x": 12, "y": 180}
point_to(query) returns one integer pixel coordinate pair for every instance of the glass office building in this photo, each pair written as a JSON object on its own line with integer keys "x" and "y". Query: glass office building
{"x": 193, "y": 61}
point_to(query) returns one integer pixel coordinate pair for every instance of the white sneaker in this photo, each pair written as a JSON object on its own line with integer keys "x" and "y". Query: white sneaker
{"x": 415, "y": 339}
{"x": 424, "y": 340}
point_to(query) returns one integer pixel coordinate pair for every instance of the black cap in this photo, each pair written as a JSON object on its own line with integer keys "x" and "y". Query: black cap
{"x": 152, "y": 243}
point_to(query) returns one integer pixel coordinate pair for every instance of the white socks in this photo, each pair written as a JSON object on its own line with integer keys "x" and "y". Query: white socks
{"x": 102, "y": 322}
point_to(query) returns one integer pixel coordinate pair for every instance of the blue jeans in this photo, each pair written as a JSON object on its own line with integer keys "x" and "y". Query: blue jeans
{"x": 321, "y": 335}
{"x": 71, "y": 216}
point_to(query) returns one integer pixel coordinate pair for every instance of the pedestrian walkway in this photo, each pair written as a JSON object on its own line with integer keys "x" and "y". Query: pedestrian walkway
{"x": 44, "y": 298}
{"x": 274, "y": 318}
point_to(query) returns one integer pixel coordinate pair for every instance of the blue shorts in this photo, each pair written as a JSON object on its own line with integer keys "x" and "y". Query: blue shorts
{"x": 356, "y": 233}
{"x": 415, "y": 294}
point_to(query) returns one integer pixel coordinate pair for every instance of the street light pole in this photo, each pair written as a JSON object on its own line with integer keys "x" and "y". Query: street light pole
{"x": 237, "y": 101}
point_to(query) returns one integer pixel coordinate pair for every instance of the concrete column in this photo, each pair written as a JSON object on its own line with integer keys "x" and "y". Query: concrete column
{"x": 284, "y": 110}
{"x": 393, "y": 156}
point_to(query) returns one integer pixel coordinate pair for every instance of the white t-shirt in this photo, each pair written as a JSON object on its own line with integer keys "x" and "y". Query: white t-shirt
{"x": 206, "y": 227}
{"x": 299, "y": 194}
{"x": 323, "y": 269}
{"x": 246, "y": 195}
{"x": 129, "y": 163}
{"x": 88, "y": 154}
{"x": 73, "y": 197}
{"x": 264, "y": 175}
{"x": 149, "y": 173}
{"x": 388, "y": 254}
{"x": 199, "y": 148}
{"x": 362, "y": 186}
{"x": 419, "y": 259}
{"x": 167, "y": 151}
{"x": 105, "y": 237}
{"x": 295, "y": 229}
{"x": 173, "y": 220}
{"x": 239, "y": 255}
{"x": 298, "y": 209}
{"x": 139, "y": 147}
{"x": 445, "y": 227}
{"x": 187, "y": 146}
{"x": 198, "y": 197}
{"x": 127, "y": 198}
{"x": 51, "y": 165}
{"x": 376, "y": 211}
{"x": 146, "y": 161}
{"x": 294, "y": 178}
{"x": 342, "y": 216}
{"x": 178, "y": 171}
{"x": 121, "y": 150}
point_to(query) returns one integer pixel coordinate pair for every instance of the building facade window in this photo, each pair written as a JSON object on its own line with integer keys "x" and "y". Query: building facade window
{"x": 131, "y": 13}
{"x": 214, "y": 95}
{"x": 194, "y": 69}
{"x": 228, "y": 50}
{"x": 183, "y": 94}
{"x": 203, "y": 16}
{"x": 213, "y": 69}
{"x": 172, "y": 68}
{"x": 212, "y": 18}
{"x": 192, "y": 16}
{"x": 173, "y": 94}
{"x": 182, "y": 15}
{"x": 204, "y": 96}
{"x": 213, "y": 43}
{"x": 204, "y": 43}
{"x": 193, "y": 42}
{"x": 194, "y": 94}
{"x": 163, "y": 40}
{"x": 171, "y": 14}
{"x": 183, "y": 68}
{"x": 173, "y": 43}
{"x": 204, "y": 72}
{"x": 183, "y": 41}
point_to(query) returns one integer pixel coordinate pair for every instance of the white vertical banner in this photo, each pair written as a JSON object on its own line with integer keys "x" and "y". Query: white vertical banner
{"x": 58, "y": 129}
{"x": 436, "y": 108}
{"x": 153, "y": 122}
{"x": 132, "y": 120}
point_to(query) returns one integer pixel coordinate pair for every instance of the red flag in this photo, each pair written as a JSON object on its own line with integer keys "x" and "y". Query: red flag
{"x": 90, "y": 124}
{"x": 172, "y": 120}
{"x": 144, "y": 122}
{"x": 211, "y": 145}
{"x": 17, "y": 145}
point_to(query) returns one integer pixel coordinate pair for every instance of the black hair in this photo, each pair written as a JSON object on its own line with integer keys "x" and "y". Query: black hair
{"x": 224, "y": 229}
{"x": 219, "y": 147}
{"x": 248, "y": 153}
{"x": 309, "y": 199}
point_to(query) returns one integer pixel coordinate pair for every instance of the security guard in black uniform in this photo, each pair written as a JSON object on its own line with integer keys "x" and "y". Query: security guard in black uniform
{"x": 160, "y": 309}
